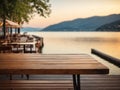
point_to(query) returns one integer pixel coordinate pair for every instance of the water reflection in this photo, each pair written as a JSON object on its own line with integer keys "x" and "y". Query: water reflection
{"x": 82, "y": 42}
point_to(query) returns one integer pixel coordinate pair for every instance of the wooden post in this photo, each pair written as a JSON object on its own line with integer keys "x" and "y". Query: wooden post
{"x": 11, "y": 31}
{"x": 4, "y": 28}
{"x": 18, "y": 30}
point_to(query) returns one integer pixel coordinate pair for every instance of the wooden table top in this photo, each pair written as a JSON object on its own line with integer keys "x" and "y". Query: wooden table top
{"x": 50, "y": 64}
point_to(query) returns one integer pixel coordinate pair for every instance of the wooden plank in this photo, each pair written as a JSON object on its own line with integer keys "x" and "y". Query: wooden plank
{"x": 88, "y": 82}
{"x": 44, "y": 56}
{"x": 49, "y": 60}
{"x": 55, "y": 58}
{"x": 49, "y": 65}
{"x": 52, "y": 58}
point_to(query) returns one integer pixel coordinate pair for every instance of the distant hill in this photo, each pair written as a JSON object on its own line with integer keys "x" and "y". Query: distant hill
{"x": 83, "y": 24}
{"x": 30, "y": 29}
{"x": 114, "y": 26}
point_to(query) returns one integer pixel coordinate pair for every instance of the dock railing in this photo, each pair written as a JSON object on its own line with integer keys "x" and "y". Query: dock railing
{"x": 106, "y": 57}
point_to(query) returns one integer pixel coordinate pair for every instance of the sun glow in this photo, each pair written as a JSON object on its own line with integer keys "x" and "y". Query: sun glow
{"x": 71, "y": 9}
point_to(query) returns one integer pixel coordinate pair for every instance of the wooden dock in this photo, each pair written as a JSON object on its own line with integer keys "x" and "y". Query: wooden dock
{"x": 88, "y": 82}
{"x": 54, "y": 72}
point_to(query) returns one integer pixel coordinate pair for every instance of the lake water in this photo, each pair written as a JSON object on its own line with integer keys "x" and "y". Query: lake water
{"x": 83, "y": 42}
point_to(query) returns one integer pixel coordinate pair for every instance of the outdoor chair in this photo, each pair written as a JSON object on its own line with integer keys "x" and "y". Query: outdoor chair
{"x": 17, "y": 49}
{"x": 29, "y": 49}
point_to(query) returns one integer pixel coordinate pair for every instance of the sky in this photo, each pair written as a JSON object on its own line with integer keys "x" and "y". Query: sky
{"x": 64, "y": 10}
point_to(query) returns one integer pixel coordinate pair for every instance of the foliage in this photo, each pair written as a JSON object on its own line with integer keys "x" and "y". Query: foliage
{"x": 23, "y": 10}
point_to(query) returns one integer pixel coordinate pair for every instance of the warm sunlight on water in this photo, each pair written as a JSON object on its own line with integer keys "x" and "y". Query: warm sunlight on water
{"x": 82, "y": 42}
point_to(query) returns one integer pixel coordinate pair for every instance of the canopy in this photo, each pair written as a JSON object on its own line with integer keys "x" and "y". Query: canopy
{"x": 10, "y": 24}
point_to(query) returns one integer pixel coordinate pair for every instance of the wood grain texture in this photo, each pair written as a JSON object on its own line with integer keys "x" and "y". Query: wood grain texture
{"x": 50, "y": 64}
{"x": 88, "y": 82}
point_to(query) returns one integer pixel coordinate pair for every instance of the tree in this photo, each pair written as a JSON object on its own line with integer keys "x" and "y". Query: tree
{"x": 22, "y": 10}
{"x": 26, "y": 8}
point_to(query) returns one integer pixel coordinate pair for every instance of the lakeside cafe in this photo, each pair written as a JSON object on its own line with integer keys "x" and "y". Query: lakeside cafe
{"x": 10, "y": 28}
{"x": 14, "y": 40}
{"x": 11, "y": 25}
